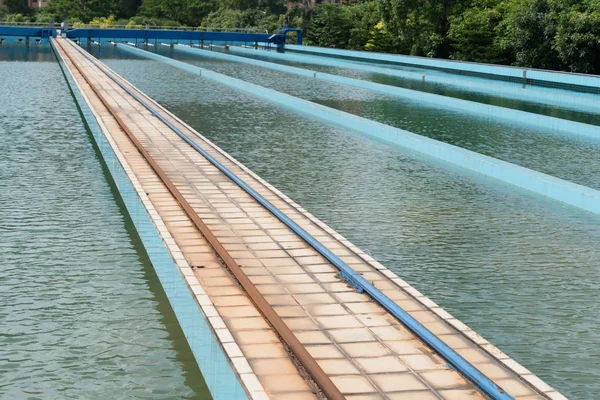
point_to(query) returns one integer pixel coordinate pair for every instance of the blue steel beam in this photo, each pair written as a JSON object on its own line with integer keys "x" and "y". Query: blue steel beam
{"x": 481, "y": 381}
{"x": 156, "y": 34}
{"x": 27, "y": 31}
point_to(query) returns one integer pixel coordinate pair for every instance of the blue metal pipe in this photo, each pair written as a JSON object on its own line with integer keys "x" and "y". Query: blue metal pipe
{"x": 486, "y": 385}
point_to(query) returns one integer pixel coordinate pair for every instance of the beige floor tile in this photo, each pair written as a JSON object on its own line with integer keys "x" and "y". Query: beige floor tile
{"x": 316, "y": 298}
{"x": 444, "y": 379}
{"x": 366, "y": 307}
{"x": 304, "y": 288}
{"x": 261, "y": 336}
{"x": 456, "y": 341}
{"x": 300, "y": 324}
{"x": 351, "y": 384}
{"x": 422, "y": 362}
{"x": 462, "y": 394}
{"x": 365, "y": 349}
{"x": 338, "y": 321}
{"x": 338, "y": 367}
{"x": 404, "y": 347}
{"x": 413, "y": 395}
{"x": 269, "y": 350}
{"x": 493, "y": 371}
{"x": 239, "y": 312}
{"x": 290, "y": 311}
{"x": 253, "y": 323}
{"x": 295, "y": 278}
{"x": 281, "y": 300}
{"x": 272, "y": 366}
{"x": 284, "y": 383}
{"x": 320, "y": 352}
{"x": 292, "y": 396}
{"x": 379, "y": 365}
{"x": 351, "y": 335}
{"x": 326, "y": 309}
{"x": 391, "y": 333}
{"x": 515, "y": 387}
{"x": 398, "y": 382}
{"x": 312, "y": 337}
{"x": 364, "y": 397}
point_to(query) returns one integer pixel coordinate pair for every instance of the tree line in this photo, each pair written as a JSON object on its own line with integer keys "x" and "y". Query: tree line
{"x": 550, "y": 34}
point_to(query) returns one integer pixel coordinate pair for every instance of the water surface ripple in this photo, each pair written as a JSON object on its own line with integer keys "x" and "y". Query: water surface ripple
{"x": 82, "y": 314}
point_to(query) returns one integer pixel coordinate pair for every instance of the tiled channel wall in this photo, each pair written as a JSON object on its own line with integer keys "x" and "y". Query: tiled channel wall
{"x": 553, "y": 96}
{"x": 546, "y": 185}
{"x": 537, "y": 121}
{"x": 220, "y": 378}
{"x": 551, "y": 78}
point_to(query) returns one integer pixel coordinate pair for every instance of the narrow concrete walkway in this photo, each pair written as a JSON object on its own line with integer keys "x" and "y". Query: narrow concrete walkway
{"x": 366, "y": 352}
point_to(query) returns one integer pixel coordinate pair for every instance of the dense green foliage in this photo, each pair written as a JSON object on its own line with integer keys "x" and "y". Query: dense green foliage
{"x": 552, "y": 34}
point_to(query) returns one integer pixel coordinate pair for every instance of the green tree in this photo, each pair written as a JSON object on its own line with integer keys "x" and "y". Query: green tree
{"x": 475, "y": 35}
{"x": 188, "y": 12}
{"x": 381, "y": 40}
{"x": 363, "y": 18}
{"x": 82, "y": 10}
{"x": 330, "y": 26}
{"x": 578, "y": 37}
{"x": 529, "y": 28}
{"x": 422, "y": 26}
{"x": 17, "y": 7}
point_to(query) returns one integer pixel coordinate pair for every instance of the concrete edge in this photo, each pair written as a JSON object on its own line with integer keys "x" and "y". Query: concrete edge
{"x": 527, "y": 376}
{"x": 238, "y": 361}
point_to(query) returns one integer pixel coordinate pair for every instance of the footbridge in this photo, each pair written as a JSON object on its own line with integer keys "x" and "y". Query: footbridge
{"x": 273, "y": 302}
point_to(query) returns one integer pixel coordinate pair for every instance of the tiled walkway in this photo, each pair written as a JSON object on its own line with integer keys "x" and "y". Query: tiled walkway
{"x": 365, "y": 351}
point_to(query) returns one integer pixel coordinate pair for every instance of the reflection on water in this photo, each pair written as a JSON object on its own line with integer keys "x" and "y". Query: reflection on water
{"x": 82, "y": 313}
{"x": 520, "y": 270}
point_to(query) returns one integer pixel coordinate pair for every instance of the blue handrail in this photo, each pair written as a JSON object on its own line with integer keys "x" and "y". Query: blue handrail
{"x": 452, "y": 357}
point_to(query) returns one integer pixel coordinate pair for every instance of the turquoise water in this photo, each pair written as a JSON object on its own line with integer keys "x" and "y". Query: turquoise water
{"x": 82, "y": 313}
{"x": 519, "y": 269}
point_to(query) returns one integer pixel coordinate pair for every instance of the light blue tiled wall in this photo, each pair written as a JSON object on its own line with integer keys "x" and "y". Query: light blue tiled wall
{"x": 546, "y": 185}
{"x": 557, "y": 125}
{"x": 589, "y": 81}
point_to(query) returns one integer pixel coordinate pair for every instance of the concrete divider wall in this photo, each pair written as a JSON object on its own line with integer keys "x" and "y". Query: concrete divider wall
{"x": 216, "y": 369}
{"x": 544, "y": 95}
{"x": 558, "y": 189}
{"x": 562, "y": 78}
{"x": 571, "y": 128}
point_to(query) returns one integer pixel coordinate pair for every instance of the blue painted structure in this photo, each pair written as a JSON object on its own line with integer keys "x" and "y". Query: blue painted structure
{"x": 584, "y": 82}
{"x": 220, "y": 378}
{"x": 298, "y": 31}
{"x": 352, "y": 276}
{"x": 146, "y": 35}
{"x": 28, "y": 31}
